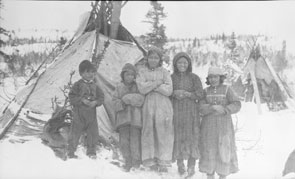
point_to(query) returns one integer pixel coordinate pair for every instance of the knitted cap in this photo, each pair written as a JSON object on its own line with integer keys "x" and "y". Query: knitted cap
{"x": 215, "y": 71}
{"x": 128, "y": 67}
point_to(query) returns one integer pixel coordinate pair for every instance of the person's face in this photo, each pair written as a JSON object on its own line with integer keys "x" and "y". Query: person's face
{"x": 128, "y": 77}
{"x": 88, "y": 75}
{"x": 153, "y": 60}
{"x": 214, "y": 80}
{"x": 182, "y": 64}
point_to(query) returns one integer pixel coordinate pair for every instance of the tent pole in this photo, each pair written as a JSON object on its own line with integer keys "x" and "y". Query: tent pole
{"x": 12, "y": 120}
{"x": 288, "y": 102}
{"x": 135, "y": 41}
{"x": 277, "y": 80}
{"x": 97, "y": 29}
{"x": 256, "y": 91}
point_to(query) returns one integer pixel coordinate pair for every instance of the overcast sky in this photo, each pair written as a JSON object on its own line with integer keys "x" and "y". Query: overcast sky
{"x": 184, "y": 19}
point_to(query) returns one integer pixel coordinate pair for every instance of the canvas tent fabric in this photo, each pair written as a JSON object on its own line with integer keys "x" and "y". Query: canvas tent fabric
{"x": 262, "y": 71}
{"x": 57, "y": 75}
{"x": 268, "y": 80}
{"x": 290, "y": 164}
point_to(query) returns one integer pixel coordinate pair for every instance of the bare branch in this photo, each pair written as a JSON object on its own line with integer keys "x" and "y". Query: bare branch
{"x": 53, "y": 101}
{"x": 253, "y": 146}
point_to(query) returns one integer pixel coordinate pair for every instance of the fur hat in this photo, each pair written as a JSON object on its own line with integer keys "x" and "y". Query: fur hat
{"x": 128, "y": 67}
{"x": 215, "y": 71}
{"x": 154, "y": 49}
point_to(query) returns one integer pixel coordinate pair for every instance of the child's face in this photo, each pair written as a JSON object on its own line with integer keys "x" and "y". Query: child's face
{"x": 153, "y": 60}
{"x": 128, "y": 77}
{"x": 88, "y": 75}
{"x": 182, "y": 64}
{"x": 214, "y": 80}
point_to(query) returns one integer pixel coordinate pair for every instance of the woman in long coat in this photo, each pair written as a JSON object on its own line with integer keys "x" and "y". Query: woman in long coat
{"x": 155, "y": 83}
{"x": 217, "y": 144}
{"x": 187, "y": 91}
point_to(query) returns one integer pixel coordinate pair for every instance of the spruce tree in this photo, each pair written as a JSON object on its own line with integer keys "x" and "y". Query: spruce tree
{"x": 157, "y": 37}
{"x": 4, "y": 32}
{"x": 195, "y": 42}
{"x": 280, "y": 60}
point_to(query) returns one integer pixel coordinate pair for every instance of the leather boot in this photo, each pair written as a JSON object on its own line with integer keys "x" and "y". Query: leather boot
{"x": 210, "y": 176}
{"x": 181, "y": 167}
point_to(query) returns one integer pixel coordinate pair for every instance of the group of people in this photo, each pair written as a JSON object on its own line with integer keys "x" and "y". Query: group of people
{"x": 163, "y": 118}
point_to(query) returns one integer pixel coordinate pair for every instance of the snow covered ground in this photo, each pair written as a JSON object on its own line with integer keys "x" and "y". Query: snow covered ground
{"x": 263, "y": 141}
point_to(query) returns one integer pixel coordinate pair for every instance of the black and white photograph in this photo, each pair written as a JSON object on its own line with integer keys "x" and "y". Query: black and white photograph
{"x": 147, "y": 89}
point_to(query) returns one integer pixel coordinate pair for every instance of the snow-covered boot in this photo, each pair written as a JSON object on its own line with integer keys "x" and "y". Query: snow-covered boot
{"x": 210, "y": 176}
{"x": 181, "y": 170}
{"x": 163, "y": 169}
{"x": 181, "y": 167}
{"x": 127, "y": 167}
{"x": 92, "y": 156}
{"x": 190, "y": 171}
{"x": 222, "y": 176}
{"x": 72, "y": 156}
{"x": 154, "y": 167}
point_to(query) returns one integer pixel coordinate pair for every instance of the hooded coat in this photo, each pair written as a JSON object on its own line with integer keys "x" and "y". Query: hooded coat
{"x": 186, "y": 111}
{"x": 127, "y": 102}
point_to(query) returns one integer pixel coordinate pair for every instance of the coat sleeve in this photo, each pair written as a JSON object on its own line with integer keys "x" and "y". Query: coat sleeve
{"x": 198, "y": 92}
{"x": 143, "y": 85}
{"x": 74, "y": 95}
{"x": 234, "y": 105}
{"x": 205, "y": 107}
{"x": 135, "y": 99}
{"x": 117, "y": 101}
{"x": 166, "y": 88}
{"x": 99, "y": 96}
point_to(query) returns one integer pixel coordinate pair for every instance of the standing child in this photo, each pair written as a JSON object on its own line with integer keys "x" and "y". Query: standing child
{"x": 85, "y": 96}
{"x": 157, "y": 138}
{"x": 187, "y": 91}
{"x": 128, "y": 102}
{"x": 217, "y": 144}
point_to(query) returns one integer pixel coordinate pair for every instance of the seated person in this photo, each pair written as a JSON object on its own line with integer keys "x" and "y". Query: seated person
{"x": 56, "y": 131}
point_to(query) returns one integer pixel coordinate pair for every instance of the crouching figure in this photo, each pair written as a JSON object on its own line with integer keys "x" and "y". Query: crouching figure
{"x": 56, "y": 132}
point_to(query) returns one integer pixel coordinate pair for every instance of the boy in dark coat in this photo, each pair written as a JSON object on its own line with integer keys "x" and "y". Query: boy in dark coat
{"x": 85, "y": 96}
{"x": 127, "y": 103}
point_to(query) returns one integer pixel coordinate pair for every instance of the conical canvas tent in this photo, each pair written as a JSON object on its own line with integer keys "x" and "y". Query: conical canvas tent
{"x": 261, "y": 70}
{"x": 37, "y": 96}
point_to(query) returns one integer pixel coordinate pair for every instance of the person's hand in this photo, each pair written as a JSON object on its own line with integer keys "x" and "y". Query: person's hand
{"x": 187, "y": 94}
{"x": 179, "y": 94}
{"x": 92, "y": 104}
{"x": 159, "y": 82}
{"x": 218, "y": 108}
{"x": 126, "y": 99}
{"x": 85, "y": 101}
